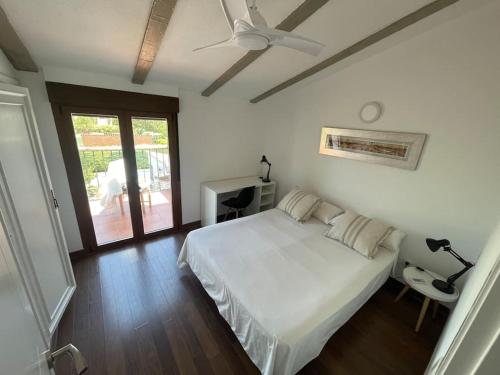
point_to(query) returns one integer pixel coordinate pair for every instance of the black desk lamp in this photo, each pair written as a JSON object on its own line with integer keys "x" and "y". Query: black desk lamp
{"x": 447, "y": 286}
{"x": 265, "y": 161}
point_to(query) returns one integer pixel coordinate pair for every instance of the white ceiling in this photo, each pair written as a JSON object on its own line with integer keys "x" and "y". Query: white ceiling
{"x": 104, "y": 36}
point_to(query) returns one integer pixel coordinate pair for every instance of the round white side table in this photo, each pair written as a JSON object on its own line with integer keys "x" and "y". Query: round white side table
{"x": 421, "y": 281}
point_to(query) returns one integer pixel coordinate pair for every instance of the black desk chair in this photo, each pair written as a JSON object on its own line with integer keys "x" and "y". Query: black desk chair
{"x": 242, "y": 201}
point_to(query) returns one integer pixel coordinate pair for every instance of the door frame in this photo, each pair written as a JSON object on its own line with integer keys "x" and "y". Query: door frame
{"x": 9, "y": 220}
{"x": 66, "y": 99}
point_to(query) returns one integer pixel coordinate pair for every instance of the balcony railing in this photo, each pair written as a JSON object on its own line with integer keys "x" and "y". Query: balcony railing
{"x": 153, "y": 165}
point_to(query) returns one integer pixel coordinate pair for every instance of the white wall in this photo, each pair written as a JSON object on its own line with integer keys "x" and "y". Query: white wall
{"x": 474, "y": 326}
{"x": 217, "y": 138}
{"x": 52, "y": 150}
{"x": 7, "y": 72}
{"x": 107, "y": 81}
{"x": 443, "y": 82}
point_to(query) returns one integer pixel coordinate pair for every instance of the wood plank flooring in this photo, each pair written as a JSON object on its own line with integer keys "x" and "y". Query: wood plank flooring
{"x": 135, "y": 312}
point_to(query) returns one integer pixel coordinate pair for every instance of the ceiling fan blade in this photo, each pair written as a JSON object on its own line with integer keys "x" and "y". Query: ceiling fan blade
{"x": 230, "y": 21}
{"x": 236, "y": 9}
{"x": 294, "y": 41}
{"x": 253, "y": 15}
{"x": 310, "y": 47}
{"x": 224, "y": 43}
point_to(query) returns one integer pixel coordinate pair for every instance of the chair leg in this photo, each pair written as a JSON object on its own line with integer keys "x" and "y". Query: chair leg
{"x": 237, "y": 213}
{"x": 120, "y": 200}
{"x": 227, "y": 213}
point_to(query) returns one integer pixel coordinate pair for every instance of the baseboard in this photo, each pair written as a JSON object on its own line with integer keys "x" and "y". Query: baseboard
{"x": 190, "y": 226}
{"x": 78, "y": 254}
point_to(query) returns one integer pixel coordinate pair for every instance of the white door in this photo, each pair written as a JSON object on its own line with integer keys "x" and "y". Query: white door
{"x": 33, "y": 231}
{"x": 20, "y": 337}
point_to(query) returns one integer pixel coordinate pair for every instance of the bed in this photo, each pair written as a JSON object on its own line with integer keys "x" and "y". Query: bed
{"x": 282, "y": 286}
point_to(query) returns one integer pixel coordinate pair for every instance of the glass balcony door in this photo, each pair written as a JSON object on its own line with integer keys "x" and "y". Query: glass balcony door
{"x": 126, "y": 174}
{"x": 152, "y": 156}
{"x": 98, "y": 138}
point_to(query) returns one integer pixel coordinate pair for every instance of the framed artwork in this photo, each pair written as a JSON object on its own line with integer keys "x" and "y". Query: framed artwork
{"x": 395, "y": 149}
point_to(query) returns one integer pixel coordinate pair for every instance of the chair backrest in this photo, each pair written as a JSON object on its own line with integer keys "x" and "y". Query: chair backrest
{"x": 245, "y": 196}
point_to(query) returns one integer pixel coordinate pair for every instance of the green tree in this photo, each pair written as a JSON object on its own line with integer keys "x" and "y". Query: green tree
{"x": 159, "y": 128}
{"x": 95, "y": 161}
{"x": 89, "y": 124}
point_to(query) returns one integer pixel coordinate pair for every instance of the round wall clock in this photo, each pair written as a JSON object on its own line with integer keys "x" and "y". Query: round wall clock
{"x": 370, "y": 112}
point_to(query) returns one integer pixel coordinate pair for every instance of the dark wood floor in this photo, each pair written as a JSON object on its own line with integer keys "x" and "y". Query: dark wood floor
{"x": 135, "y": 313}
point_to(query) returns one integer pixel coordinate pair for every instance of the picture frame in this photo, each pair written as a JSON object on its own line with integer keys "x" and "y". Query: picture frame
{"x": 395, "y": 149}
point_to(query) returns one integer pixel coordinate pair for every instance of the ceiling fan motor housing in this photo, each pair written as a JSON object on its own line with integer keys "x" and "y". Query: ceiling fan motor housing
{"x": 252, "y": 42}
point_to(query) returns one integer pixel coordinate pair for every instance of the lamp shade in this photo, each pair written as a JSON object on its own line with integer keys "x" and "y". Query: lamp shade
{"x": 435, "y": 245}
{"x": 264, "y": 160}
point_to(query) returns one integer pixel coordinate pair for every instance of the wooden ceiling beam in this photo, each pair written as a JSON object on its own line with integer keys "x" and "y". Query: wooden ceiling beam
{"x": 161, "y": 12}
{"x": 294, "y": 19}
{"x": 387, "y": 31}
{"x": 13, "y": 47}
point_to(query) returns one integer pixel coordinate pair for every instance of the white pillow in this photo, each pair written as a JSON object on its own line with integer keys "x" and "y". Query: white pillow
{"x": 360, "y": 233}
{"x": 393, "y": 240}
{"x": 327, "y": 211}
{"x": 299, "y": 204}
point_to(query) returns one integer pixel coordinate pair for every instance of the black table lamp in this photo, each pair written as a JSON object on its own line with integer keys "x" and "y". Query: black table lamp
{"x": 265, "y": 161}
{"x": 447, "y": 286}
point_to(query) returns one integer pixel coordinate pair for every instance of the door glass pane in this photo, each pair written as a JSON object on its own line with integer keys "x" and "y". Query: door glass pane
{"x": 153, "y": 171}
{"x": 101, "y": 158}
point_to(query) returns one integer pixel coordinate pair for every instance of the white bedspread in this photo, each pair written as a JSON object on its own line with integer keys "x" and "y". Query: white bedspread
{"x": 282, "y": 286}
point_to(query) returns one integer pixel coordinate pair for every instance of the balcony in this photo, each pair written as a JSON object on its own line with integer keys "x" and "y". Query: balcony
{"x": 105, "y": 182}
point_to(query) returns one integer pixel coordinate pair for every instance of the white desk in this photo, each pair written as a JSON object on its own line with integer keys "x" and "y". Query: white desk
{"x": 214, "y": 192}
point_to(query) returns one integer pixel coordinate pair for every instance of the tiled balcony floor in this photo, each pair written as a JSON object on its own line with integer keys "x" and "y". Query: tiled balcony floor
{"x": 111, "y": 224}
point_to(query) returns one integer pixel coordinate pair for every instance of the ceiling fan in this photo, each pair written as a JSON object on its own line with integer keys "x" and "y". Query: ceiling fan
{"x": 252, "y": 33}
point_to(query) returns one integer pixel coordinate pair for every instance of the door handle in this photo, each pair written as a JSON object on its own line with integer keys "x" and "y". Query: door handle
{"x": 54, "y": 200}
{"x": 78, "y": 359}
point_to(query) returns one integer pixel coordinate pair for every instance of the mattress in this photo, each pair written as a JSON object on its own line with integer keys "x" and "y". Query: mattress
{"x": 283, "y": 287}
